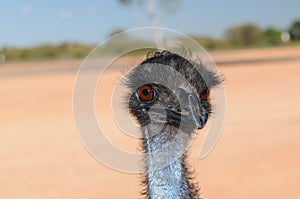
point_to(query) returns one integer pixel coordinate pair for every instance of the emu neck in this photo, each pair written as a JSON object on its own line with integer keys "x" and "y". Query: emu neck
{"x": 166, "y": 175}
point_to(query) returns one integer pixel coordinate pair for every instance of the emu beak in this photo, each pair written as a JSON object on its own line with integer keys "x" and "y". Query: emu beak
{"x": 190, "y": 118}
{"x": 194, "y": 113}
{"x": 190, "y": 114}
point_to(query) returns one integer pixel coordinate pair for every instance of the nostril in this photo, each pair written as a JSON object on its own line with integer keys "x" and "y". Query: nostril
{"x": 192, "y": 100}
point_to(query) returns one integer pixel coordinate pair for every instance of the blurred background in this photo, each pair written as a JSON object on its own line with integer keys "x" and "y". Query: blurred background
{"x": 255, "y": 44}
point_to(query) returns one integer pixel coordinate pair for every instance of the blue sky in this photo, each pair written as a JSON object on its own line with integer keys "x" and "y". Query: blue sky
{"x": 34, "y": 22}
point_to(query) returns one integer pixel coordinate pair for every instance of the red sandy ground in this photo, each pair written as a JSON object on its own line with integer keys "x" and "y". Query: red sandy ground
{"x": 257, "y": 156}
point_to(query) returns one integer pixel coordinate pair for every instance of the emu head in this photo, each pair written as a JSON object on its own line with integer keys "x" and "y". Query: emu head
{"x": 171, "y": 90}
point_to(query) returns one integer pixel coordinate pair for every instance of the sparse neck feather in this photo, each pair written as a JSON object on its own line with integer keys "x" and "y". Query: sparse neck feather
{"x": 166, "y": 175}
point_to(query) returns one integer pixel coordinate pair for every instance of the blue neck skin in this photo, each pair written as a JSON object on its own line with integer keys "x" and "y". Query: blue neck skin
{"x": 166, "y": 173}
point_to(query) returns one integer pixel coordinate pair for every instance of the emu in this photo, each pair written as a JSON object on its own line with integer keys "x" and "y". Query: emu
{"x": 170, "y": 98}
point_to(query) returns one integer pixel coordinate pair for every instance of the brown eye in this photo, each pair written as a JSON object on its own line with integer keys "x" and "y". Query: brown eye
{"x": 205, "y": 94}
{"x": 146, "y": 93}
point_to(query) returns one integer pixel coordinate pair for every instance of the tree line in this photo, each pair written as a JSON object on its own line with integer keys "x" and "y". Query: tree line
{"x": 236, "y": 37}
{"x": 250, "y": 35}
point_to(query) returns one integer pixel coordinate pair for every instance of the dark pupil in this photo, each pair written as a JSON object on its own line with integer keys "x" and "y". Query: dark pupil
{"x": 145, "y": 92}
{"x": 204, "y": 92}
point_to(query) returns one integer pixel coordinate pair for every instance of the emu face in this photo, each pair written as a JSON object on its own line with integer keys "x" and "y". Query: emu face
{"x": 156, "y": 103}
{"x": 168, "y": 89}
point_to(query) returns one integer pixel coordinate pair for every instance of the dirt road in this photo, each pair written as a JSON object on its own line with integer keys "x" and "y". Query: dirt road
{"x": 257, "y": 156}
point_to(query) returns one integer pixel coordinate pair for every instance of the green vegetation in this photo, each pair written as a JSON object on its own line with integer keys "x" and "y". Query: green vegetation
{"x": 47, "y": 52}
{"x": 272, "y": 37}
{"x": 295, "y": 30}
{"x": 237, "y": 37}
{"x": 244, "y": 35}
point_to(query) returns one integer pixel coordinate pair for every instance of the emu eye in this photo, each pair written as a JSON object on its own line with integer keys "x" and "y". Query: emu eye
{"x": 146, "y": 93}
{"x": 204, "y": 95}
